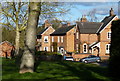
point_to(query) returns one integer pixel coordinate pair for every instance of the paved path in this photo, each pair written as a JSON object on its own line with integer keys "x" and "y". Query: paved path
{"x": 104, "y": 63}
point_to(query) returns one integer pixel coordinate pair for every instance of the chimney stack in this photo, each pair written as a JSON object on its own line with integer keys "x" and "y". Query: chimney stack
{"x": 47, "y": 24}
{"x": 68, "y": 24}
{"x": 83, "y": 19}
{"x": 111, "y": 12}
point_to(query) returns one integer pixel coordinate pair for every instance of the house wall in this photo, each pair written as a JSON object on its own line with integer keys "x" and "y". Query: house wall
{"x": 76, "y": 41}
{"x": 63, "y": 44}
{"x": 46, "y": 33}
{"x": 70, "y": 40}
{"x": 104, "y": 40}
{"x": 88, "y": 39}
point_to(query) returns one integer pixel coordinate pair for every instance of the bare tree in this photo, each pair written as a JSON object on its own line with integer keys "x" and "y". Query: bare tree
{"x": 14, "y": 16}
{"x": 92, "y": 16}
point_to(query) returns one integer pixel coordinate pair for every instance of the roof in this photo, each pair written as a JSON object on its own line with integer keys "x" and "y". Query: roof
{"x": 93, "y": 44}
{"x": 88, "y": 27}
{"x": 105, "y": 21}
{"x": 43, "y": 30}
{"x": 6, "y": 42}
{"x": 62, "y": 30}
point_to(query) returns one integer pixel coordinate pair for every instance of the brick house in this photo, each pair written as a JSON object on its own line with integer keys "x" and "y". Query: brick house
{"x": 43, "y": 38}
{"x": 64, "y": 37}
{"x": 6, "y": 49}
{"x": 82, "y": 39}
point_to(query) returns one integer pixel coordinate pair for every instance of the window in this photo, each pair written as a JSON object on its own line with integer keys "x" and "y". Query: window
{"x": 45, "y": 48}
{"x": 107, "y": 48}
{"x": 57, "y": 48}
{"x": 52, "y": 49}
{"x": 52, "y": 39}
{"x": 85, "y": 48}
{"x": 46, "y": 39}
{"x": 77, "y": 47}
{"x": 108, "y": 35}
{"x": 77, "y": 35}
{"x": 62, "y": 39}
{"x": 58, "y": 39}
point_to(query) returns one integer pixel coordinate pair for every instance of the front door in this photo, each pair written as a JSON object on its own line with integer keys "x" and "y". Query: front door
{"x": 62, "y": 51}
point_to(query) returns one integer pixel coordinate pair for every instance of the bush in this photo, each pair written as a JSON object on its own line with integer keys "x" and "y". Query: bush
{"x": 42, "y": 55}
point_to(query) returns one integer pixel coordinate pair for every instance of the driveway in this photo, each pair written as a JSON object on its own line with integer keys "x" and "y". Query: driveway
{"x": 103, "y": 63}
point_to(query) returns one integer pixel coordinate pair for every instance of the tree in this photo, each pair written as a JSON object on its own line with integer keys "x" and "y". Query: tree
{"x": 114, "y": 65}
{"x": 27, "y": 61}
{"x": 14, "y": 16}
{"x": 92, "y": 16}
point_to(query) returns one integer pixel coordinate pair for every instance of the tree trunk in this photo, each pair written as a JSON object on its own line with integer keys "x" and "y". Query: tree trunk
{"x": 17, "y": 40}
{"x": 27, "y": 61}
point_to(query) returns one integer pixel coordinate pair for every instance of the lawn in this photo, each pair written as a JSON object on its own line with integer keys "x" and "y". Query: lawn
{"x": 59, "y": 70}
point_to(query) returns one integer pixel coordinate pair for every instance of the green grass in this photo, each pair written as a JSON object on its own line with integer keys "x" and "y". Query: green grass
{"x": 57, "y": 70}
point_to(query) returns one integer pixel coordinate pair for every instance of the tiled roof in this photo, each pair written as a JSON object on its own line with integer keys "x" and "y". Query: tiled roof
{"x": 105, "y": 21}
{"x": 88, "y": 27}
{"x": 43, "y": 30}
{"x": 62, "y": 30}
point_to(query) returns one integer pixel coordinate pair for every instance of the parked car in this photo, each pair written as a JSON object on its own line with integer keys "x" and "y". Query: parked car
{"x": 90, "y": 58}
{"x": 70, "y": 58}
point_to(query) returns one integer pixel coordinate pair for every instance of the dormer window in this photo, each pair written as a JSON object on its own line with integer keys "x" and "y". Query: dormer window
{"x": 46, "y": 39}
{"x": 109, "y": 35}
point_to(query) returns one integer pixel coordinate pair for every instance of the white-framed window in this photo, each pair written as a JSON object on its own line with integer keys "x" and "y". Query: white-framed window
{"x": 77, "y": 35}
{"x": 52, "y": 48}
{"x": 107, "y": 48}
{"x": 58, "y": 39}
{"x": 57, "y": 48}
{"x": 109, "y": 35}
{"x": 46, "y": 39}
{"x": 52, "y": 39}
{"x": 62, "y": 39}
{"x": 77, "y": 47}
{"x": 45, "y": 48}
{"x": 84, "y": 48}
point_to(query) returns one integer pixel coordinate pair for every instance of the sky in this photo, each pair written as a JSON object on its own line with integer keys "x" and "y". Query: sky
{"x": 83, "y": 7}
{"x": 101, "y": 10}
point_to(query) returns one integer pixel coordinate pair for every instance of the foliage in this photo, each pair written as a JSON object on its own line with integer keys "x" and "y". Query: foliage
{"x": 46, "y": 53}
{"x": 114, "y": 65}
{"x": 8, "y": 35}
{"x": 60, "y": 70}
{"x": 55, "y": 46}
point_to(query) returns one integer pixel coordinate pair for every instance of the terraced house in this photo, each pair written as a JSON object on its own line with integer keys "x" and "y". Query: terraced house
{"x": 80, "y": 40}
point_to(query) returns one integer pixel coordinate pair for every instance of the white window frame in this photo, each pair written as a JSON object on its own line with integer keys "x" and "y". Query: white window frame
{"x": 52, "y": 39}
{"x": 45, "y": 37}
{"x": 84, "y": 47}
{"x": 58, "y": 48}
{"x": 62, "y": 39}
{"x": 77, "y": 47}
{"x": 58, "y": 39}
{"x": 107, "y": 47}
{"x": 109, "y": 35}
{"x": 77, "y": 35}
{"x": 46, "y": 48}
{"x": 52, "y": 49}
